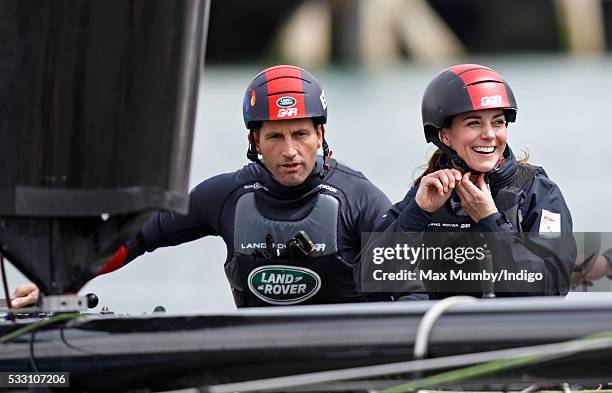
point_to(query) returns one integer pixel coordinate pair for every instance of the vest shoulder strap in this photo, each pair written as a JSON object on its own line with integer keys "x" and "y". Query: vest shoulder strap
{"x": 526, "y": 173}
{"x": 509, "y": 197}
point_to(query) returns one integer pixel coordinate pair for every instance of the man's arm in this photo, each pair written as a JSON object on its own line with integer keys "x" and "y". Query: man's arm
{"x": 166, "y": 229}
{"x": 607, "y": 259}
{"x": 163, "y": 229}
{"x": 376, "y": 215}
{"x": 405, "y": 216}
{"x": 373, "y": 205}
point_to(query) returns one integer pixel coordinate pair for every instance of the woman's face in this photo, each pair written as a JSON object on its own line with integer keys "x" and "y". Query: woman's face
{"x": 478, "y": 137}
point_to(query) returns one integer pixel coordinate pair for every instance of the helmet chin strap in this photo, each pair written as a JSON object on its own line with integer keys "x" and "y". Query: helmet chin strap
{"x": 459, "y": 163}
{"x": 451, "y": 155}
{"x": 252, "y": 151}
{"x": 326, "y": 155}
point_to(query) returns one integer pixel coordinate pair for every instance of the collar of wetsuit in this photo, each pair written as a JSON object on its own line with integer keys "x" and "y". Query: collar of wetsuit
{"x": 311, "y": 182}
{"x": 503, "y": 175}
{"x": 500, "y": 177}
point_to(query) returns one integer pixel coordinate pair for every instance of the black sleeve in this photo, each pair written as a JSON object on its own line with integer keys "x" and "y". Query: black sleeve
{"x": 386, "y": 221}
{"x": 206, "y": 201}
{"x": 405, "y": 216}
{"x": 371, "y": 207}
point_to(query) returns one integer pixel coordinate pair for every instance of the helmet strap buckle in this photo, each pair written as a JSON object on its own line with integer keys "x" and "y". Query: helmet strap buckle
{"x": 326, "y": 158}
{"x": 450, "y": 154}
{"x": 252, "y": 154}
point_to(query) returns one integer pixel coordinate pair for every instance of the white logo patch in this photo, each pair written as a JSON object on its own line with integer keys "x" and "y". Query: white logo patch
{"x": 490, "y": 100}
{"x": 286, "y": 102}
{"x": 550, "y": 224}
{"x": 320, "y": 247}
{"x": 323, "y": 100}
{"x": 289, "y": 112}
{"x": 328, "y": 188}
{"x": 255, "y": 186}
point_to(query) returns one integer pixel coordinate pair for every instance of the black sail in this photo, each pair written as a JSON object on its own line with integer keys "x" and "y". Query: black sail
{"x": 97, "y": 108}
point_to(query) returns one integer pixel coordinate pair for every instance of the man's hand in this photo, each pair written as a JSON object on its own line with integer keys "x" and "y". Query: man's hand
{"x": 25, "y": 295}
{"x": 476, "y": 199}
{"x": 594, "y": 269}
{"x": 435, "y": 189}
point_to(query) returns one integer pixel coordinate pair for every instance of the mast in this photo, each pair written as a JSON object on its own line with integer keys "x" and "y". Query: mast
{"x": 97, "y": 109}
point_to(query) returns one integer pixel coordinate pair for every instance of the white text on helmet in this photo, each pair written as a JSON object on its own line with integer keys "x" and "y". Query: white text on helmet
{"x": 491, "y": 100}
{"x": 289, "y": 112}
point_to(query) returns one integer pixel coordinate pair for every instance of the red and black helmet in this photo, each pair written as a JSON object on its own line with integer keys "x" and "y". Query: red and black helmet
{"x": 284, "y": 92}
{"x": 464, "y": 88}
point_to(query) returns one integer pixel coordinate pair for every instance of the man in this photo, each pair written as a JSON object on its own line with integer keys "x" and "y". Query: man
{"x": 588, "y": 270}
{"x": 292, "y": 222}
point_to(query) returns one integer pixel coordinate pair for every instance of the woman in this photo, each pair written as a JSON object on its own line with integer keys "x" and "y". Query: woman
{"x": 473, "y": 183}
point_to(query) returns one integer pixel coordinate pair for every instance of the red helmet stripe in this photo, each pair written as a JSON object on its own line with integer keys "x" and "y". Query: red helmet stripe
{"x": 485, "y": 86}
{"x": 461, "y": 68}
{"x": 282, "y": 70}
{"x": 285, "y": 85}
{"x": 488, "y": 95}
{"x": 479, "y": 75}
{"x": 278, "y": 111}
{"x": 284, "y": 81}
{"x": 283, "y": 78}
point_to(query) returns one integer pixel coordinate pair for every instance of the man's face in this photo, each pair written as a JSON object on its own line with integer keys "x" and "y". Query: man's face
{"x": 289, "y": 149}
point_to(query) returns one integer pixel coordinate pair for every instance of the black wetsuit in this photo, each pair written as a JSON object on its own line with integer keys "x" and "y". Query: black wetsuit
{"x": 257, "y": 217}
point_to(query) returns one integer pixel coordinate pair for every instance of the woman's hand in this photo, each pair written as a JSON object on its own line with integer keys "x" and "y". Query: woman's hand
{"x": 476, "y": 199}
{"x": 435, "y": 189}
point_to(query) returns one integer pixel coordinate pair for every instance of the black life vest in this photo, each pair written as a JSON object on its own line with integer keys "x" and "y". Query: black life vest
{"x": 261, "y": 272}
{"x": 509, "y": 198}
{"x": 457, "y": 225}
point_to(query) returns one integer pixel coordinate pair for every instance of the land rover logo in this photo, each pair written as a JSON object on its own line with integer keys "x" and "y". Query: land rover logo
{"x": 285, "y": 102}
{"x": 284, "y": 285}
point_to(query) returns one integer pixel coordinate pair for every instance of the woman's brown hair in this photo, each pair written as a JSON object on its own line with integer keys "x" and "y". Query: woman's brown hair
{"x": 432, "y": 165}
